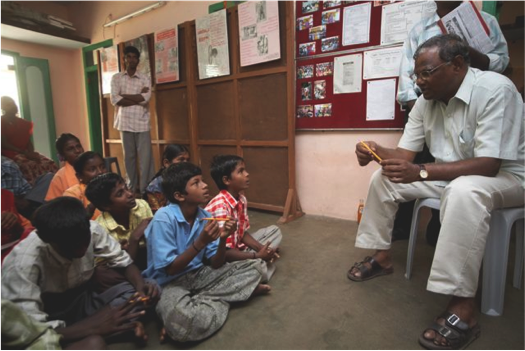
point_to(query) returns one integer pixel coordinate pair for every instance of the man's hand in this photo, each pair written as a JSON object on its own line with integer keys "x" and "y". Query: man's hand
{"x": 400, "y": 171}
{"x": 148, "y": 293}
{"x": 9, "y": 220}
{"x": 230, "y": 226}
{"x": 144, "y": 90}
{"x": 138, "y": 233}
{"x": 364, "y": 156}
{"x": 266, "y": 253}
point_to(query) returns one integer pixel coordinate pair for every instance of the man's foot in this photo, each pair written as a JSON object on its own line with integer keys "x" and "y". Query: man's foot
{"x": 372, "y": 267}
{"x": 261, "y": 289}
{"x": 454, "y": 329}
{"x": 140, "y": 332}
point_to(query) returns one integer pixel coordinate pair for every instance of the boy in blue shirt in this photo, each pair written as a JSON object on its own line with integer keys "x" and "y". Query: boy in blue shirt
{"x": 186, "y": 255}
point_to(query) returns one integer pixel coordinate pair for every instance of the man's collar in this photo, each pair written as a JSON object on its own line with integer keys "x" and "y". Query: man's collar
{"x": 464, "y": 92}
{"x": 136, "y": 74}
{"x": 432, "y": 20}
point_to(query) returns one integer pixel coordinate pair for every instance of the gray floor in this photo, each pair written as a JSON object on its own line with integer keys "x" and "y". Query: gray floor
{"x": 314, "y": 306}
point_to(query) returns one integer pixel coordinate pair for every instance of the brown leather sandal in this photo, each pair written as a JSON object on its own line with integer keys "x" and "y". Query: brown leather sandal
{"x": 368, "y": 273}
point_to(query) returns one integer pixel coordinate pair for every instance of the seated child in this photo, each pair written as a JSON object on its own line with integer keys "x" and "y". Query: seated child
{"x": 124, "y": 217}
{"x": 68, "y": 148}
{"x": 14, "y": 226}
{"x": 230, "y": 175}
{"x": 196, "y": 297}
{"x": 87, "y": 166}
{"x": 173, "y": 153}
{"x": 50, "y": 276}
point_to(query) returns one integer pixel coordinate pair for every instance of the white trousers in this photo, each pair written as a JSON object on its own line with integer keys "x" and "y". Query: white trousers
{"x": 134, "y": 144}
{"x": 466, "y": 204}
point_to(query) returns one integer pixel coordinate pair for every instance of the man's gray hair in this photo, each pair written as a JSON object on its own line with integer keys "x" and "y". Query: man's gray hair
{"x": 449, "y": 45}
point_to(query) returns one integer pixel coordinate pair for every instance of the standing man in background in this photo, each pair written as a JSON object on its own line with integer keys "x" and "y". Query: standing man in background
{"x": 130, "y": 94}
{"x": 495, "y": 60}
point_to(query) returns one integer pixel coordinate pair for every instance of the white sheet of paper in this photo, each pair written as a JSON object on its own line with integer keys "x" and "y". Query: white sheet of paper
{"x": 382, "y": 63}
{"x": 347, "y": 74}
{"x": 398, "y": 19}
{"x": 356, "y": 24}
{"x": 464, "y": 22}
{"x": 380, "y": 100}
{"x": 212, "y": 45}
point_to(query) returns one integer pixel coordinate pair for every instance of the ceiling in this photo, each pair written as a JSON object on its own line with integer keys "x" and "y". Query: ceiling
{"x": 16, "y": 33}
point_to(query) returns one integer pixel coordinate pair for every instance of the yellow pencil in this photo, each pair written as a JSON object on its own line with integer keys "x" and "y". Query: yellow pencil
{"x": 215, "y": 219}
{"x": 369, "y": 149}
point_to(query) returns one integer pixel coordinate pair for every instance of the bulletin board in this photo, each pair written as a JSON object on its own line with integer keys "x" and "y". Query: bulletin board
{"x": 347, "y": 110}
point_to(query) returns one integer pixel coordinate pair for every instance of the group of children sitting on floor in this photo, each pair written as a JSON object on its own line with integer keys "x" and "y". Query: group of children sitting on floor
{"x": 80, "y": 281}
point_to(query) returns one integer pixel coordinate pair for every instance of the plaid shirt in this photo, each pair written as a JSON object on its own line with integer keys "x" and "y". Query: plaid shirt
{"x": 34, "y": 268}
{"x": 136, "y": 215}
{"x": 131, "y": 118}
{"x": 12, "y": 178}
{"x": 225, "y": 205}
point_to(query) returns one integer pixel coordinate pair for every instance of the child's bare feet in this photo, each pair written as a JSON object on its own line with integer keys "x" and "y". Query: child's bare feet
{"x": 140, "y": 332}
{"x": 162, "y": 336}
{"x": 261, "y": 289}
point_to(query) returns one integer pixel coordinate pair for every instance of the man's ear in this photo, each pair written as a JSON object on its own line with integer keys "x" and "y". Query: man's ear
{"x": 178, "y": 196}
{"x": 458, "y": 63}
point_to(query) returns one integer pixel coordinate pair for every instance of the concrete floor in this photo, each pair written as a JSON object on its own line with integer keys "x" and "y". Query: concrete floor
{"x": 314, "y": 306}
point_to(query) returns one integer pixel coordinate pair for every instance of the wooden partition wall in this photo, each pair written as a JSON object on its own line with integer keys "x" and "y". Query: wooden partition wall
{"x": 248, "y": 113}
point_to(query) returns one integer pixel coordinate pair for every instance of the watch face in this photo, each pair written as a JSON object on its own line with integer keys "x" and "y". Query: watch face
{"x": 423, "y": 173}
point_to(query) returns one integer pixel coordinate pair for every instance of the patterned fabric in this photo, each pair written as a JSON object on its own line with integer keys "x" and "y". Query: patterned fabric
{"x": 12, "y": 236}
{"x": 34, "y": 268}
{"x": 79, "y": 192}
{"x": 138, "y": 213}
{"x": 34, "y": 169}
{"x": 20, "y": 331}
{"x": 196, "y": 305}
{"x": 64, "y": 179}
{"x": 134, "y": 118}
{"x": 225, "y": 205}
{"x": 154, "y": 195}
{"x": 12, "y": 178}
{"x": 483, "y": 119}
{"x": 168, "y": 236}
{"x": 428, "y": 28}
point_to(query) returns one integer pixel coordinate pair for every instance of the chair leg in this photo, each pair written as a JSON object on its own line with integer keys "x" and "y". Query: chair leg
{"x": 495, "y": 265}
{"x": 412, "y": 239}
{"x": 518, "y": 262}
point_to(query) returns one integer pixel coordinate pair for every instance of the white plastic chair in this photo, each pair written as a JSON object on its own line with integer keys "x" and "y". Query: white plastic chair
{"x": 496, "y": 253}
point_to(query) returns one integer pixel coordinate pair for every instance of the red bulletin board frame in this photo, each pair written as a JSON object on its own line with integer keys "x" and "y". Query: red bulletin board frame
{"x": 348, "y": 110}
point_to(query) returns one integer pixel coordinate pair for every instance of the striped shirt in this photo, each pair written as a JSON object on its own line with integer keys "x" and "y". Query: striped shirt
{"x": 225, "y": 205}
{"x": 131, "y": 118}
{"x": 428, "y": 28}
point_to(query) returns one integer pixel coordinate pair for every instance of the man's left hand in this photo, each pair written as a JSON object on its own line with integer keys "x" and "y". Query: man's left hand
{"x": 400, "y": 171}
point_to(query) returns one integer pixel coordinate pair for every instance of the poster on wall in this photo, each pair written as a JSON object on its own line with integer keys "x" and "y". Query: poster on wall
{"x": 398, "y": 19}
{"x": 167, "y": 55}
{"x": 347, "y": 74}
{"x": 109, "y": 66}
{"x": 382, "y": 63}
{"x": 259, "y": 32}
{"x": 212, "y": 45}
{"x": 356, "y": 24}
{"x": 141, "y": 43}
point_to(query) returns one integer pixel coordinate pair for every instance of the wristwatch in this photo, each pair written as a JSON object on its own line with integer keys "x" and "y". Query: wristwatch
{"x": 423, "y": 174}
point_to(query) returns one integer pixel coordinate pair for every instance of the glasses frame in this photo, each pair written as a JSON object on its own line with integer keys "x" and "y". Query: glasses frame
{"x": 426, "y": 74}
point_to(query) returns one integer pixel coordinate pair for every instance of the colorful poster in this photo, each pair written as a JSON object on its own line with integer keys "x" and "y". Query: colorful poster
{"x": 109, "y": 66}
{"x": 167, "y": 55}
{"x": 212, "y": 45}
{"x": 330, "y": 16}
{"x": 330, "y": 44}
{"x": 320, "y": 89}
{"x": 305, "y": 22}
{"x": 324, "y": 69}
{"x": 307, "y": 49}
{"x": 305, "y": 71}
{"x": 310, "y": 6}
{"x": 306, "y": 91}
{"x": 141, "y": 43}
{"x": 323, "y": 110}
{"x": 327, "y": 4}
{"x": 305, "y": 111}
{"x": 259, "y": 32}
{"x": 316, "y": 33}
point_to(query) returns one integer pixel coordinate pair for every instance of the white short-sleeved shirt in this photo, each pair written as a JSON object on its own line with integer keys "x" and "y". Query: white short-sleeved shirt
{"x": 484, "y": 119}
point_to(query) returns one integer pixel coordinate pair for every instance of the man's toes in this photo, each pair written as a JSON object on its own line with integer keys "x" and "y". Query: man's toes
{"x": 429, "y": 335}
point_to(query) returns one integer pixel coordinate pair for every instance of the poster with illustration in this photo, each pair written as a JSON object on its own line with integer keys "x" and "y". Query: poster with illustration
{"x": 109, "y": 66}
{"x": 167, "y": 55}
{"x": 212, "y": 45}
{"x": 259, "y": 32}
{"x": 141, "y": 43}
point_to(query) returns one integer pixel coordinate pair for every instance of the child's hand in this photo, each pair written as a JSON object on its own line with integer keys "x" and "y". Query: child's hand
{"x": 124, "y": 244}
{"x": 211, "y": 232}
{"x": 229, "y": 228}
{"x": 138, "y": 233}
{"x": 266, "y": 253}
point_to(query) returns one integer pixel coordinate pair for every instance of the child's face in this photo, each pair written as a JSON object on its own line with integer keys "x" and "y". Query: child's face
{"x": 92, "y": 168}
{"x": 196, "y": 191}
{"x": 121, "y": 198}
{"x": 72, "y": 149}
{"x": 184, "y": 157}
{"x": 239, "y": 179}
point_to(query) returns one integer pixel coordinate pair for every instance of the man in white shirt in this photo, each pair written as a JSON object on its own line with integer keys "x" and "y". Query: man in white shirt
{"x": 130, "y": 94}
{"x": 473, "y": 123}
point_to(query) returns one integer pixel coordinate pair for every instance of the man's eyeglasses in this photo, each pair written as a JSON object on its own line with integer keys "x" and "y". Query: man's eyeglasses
{"x": 425, "y": 75}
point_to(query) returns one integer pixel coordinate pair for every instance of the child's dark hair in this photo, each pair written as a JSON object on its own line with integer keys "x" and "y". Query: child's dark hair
{"x": 132, "y": 50}
{"x": 98, "y": 191}
{"x": 223, "y": 166}
{"x": 81, "y": 160}
{"x": 176, "y": 177}
{"x": 61, "y": 221}
{"x": 170, "y": 152}
{"x": 61, "y": 141}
